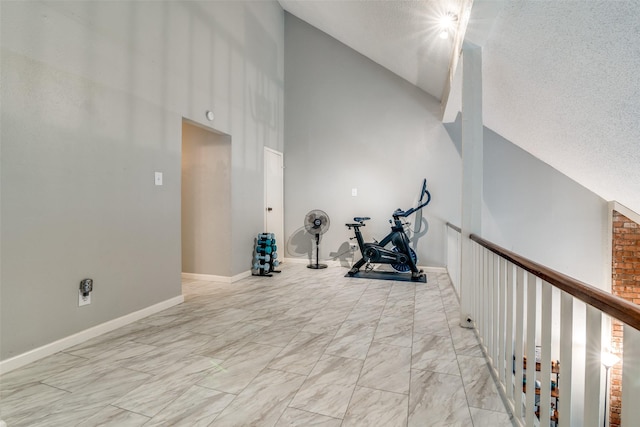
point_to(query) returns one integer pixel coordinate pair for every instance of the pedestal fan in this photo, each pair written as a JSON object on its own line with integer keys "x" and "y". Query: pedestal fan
{"x": 316, "y": 222}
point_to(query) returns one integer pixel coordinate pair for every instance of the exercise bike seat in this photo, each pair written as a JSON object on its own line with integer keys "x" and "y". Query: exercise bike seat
{"x": 361, "y": 218}
{"x": 357, "y": 224}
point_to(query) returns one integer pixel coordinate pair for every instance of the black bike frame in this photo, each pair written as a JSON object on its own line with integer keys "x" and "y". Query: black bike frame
{"x": 377, "y": 253}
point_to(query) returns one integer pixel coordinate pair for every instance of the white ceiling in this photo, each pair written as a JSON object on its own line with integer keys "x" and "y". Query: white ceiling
{"x": 401, "y": 35}
{"x": 561, "y": 79}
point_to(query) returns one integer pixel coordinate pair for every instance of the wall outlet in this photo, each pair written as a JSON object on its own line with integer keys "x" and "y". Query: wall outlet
{"x": 82, "y": 300}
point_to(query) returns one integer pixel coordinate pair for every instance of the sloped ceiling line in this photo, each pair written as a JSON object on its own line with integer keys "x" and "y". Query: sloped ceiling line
{"x": 560, "y": 79}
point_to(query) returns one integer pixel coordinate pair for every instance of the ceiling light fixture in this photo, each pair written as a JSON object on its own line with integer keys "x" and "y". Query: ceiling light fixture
{"x": 447, "y": 23}
{"x": 448, "y": 20}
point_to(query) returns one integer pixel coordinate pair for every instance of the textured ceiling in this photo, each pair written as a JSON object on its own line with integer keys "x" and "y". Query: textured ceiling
{"x": 561, "y": 79}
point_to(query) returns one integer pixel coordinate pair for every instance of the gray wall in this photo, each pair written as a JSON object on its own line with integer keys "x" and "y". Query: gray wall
{"x": 93, "y": 96}
{"x": 206, "y": 201}
{"x": 534, "y": 210}
{"x": 352, "y": 124}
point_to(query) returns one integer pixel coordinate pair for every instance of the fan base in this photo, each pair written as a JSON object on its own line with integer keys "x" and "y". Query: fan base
{"x": 317, "y": 266}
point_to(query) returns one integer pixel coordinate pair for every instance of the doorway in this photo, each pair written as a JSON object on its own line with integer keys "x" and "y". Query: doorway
{"x": 273, "y": 194}
{"x": 206, "y": 202}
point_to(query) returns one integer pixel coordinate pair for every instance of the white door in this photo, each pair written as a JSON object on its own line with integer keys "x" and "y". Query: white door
{"x": 273, "y": 197}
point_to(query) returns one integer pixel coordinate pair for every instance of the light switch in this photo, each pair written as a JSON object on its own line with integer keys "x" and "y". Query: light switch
{"x": 158, "y": 178}
{"x": 354, "y": 192}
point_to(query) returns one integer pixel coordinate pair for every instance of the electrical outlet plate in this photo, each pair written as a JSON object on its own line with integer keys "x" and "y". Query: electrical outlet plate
{"x": 83, "y": 300}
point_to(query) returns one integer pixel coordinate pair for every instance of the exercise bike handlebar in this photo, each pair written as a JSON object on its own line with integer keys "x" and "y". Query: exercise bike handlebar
{"x": 399, "y": 212}
{"x": 404, "y": 214}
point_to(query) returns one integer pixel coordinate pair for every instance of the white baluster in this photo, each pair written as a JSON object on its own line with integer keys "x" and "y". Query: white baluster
{"x": 490, "y": 306}
{"x": 566, "y": 361}
{"x": 545, "y": 363}
{"x": 488, "y": 301}
{"x": 495, "y": 288}
{"x": 530, "y": 415}
{"x": 475, "y": 249}
{"x": 519, "y": 342}
{"x": 485, "y": 282}
{"x": 502, "y": 354}
{"x": 458, "y": 261}
{"x": 593, "y": 369}
{"x": 509, "y": 347}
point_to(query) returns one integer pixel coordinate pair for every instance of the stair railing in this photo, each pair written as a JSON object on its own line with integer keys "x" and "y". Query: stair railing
{"x": 524, "y": 311}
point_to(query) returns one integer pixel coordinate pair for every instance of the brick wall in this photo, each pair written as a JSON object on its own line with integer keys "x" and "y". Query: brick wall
{"x": 626, "y": 284}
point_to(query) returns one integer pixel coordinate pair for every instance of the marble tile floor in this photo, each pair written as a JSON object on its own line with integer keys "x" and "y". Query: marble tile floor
{"x": 302, "y": 348}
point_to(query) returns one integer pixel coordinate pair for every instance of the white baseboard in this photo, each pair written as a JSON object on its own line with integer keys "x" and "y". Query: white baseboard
{"x": 206, "y": 277}
{"x": 82, "y": 336}
{"x": 240, "y": 276}
{"x": 434, "y": 269}
{"x": 213, "y": 278}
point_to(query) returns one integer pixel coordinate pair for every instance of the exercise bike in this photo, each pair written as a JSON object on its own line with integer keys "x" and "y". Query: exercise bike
{"x": 401, "y": 257}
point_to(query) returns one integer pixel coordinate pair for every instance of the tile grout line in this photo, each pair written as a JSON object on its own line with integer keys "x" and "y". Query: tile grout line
{"x": 365, "y": 358}
{"x": 413, "y": 329}
{"x": 466, "y": 396}
{"x": 316, "y": 363}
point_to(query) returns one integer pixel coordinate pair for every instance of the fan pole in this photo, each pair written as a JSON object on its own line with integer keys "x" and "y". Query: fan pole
{"x": 317, "y": 265}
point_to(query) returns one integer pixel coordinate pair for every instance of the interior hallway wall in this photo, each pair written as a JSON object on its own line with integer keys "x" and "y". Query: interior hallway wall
{"x": 206, "y": 201}
{"x": 93, "y": 96}
{"x": 352, "y": 124}
{"x": 536, "y": 211}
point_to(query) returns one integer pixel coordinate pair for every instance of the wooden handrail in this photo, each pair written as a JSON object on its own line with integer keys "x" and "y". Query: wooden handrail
{"x": 454, "y": 227}
{"x": 612, "y": 305}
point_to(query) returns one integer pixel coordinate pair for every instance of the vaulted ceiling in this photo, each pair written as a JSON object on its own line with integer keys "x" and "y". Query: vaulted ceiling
{"x": 560, "y": 78}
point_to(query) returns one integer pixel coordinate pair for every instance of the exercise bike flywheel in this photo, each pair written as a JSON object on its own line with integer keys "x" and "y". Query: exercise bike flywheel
{"x": 404, "y": 267}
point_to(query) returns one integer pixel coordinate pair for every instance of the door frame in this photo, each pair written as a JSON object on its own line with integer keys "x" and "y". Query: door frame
{"x": 264, "y": 166}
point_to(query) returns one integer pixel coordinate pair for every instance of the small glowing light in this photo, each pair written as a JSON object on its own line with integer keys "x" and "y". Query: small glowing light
{"x": 447, "y": 20}
{"x": 609, "y": 359}
{"x": 447, "y": 24}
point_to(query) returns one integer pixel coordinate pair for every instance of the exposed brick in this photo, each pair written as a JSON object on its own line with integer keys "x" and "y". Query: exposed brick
{"x": 626, "y": 284}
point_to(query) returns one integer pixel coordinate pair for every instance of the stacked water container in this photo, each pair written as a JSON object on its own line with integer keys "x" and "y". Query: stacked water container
{"x": 265, "y": 258}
